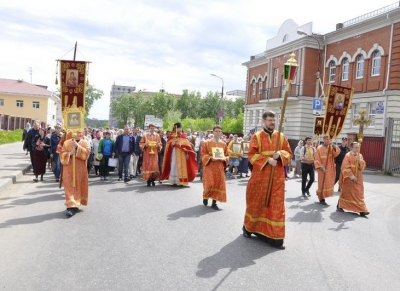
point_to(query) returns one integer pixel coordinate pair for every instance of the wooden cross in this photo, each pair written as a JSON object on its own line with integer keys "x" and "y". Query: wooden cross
{"x": 361, "y": 120}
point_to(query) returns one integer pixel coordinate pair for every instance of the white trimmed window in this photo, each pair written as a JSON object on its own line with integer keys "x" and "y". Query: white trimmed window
{"x": 35, "y": 104}
{"x": 345, "y": 69}
{"x": 372, "y": 112}
{"x": 332, "y": 71}
{"x": 376, "y": 63}
{"x": 1, "y": 102}
{"x": 276, "y": 72}
{"x": 257, "y": 117}
{"x": 360, "y": 66}
{"x": 254, "y": 88}
{"x": 251, "y": 117}
{"x": 20, "y": 103}
{"x": 260, "y": 86}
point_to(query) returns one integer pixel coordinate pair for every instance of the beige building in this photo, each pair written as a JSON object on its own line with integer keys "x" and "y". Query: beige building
{"x": 21, "y": 102}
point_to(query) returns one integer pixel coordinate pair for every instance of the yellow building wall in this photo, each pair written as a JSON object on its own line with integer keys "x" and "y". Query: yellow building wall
{"x": 10, "y": 106}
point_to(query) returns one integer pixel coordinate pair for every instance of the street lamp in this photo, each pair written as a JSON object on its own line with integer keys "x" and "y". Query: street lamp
{"x": 300, "y": 32}
{"x": 222, "y": 95}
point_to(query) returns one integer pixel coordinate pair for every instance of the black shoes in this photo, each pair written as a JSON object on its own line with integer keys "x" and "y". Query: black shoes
{"x": 41, "y": 178}
{"x": 132, "y": 176}
{"x": 214, "y": 205}
{"x": 119, "y": 179}
{"x": 246, "y": 233}
{"x": 364, "y": 214}
{"x": 126, "y": 180}
{"x": 308, "y": 192}
{"x": 205, "y": 202}
{"x": 153, "y": 183}
{"x": 339, "y": 209}
{"x": 35, "y": 180}
{"x": 303, "y": 194}
{"x": 71, "y": 212}
{"x": 322, "y": 202}
{"x": 148, "y": 183}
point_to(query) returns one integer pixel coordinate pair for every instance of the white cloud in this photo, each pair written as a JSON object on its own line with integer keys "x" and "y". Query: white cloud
{"x": 148, "y": 43}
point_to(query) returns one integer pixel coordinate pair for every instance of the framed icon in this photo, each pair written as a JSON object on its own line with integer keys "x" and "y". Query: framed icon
{"x": 236, "y": 148}
{"x": 218, "y": 153}
{"x": 246, "y": 146}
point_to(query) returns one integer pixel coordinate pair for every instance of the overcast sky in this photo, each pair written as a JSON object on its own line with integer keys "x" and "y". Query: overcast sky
{"x": 177, "y": 43}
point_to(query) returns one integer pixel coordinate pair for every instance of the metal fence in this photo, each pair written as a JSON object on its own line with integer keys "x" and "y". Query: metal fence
{"x": 373, "y": 151}
{"x": 392, "y": 156}
{"x": 279, "y": 92}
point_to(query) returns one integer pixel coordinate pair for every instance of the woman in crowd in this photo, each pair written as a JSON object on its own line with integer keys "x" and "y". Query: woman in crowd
{"x": 297, "y": 151}
{"x": 41, "y": 145}
{"x": 96, "y": 141}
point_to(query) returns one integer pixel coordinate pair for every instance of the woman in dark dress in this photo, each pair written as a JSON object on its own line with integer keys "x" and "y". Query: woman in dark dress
{"x": 41, "y": 144}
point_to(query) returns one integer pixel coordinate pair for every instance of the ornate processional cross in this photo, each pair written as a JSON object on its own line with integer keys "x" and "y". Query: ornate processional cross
{"x": 361, "y": 120}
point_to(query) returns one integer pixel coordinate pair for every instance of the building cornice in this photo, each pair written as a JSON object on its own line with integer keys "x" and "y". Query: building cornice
{"x": 365, "y": 26}
{"x": 25, "y": 95}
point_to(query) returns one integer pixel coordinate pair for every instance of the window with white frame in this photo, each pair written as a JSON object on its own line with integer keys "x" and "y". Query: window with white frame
{"x": 345, "y": 69}
{"x": 355, "y": 113}
{"x": 372, "y": 112}
{"x": 332, "y": 71}
{"x": 283, "y": 88}
{"x": 20, "y": 103}
{"x": 376, "y": 63}
{"x": 359, "y": 66}
{"x": 1, "y": 102}
{"x": 35, "y": 104}
{"x": 257, "y": 117}
{"x": 254, "y": 88}
{"x": 260, "y": 84}
{"x": 276, "y": 72}
{"x": 251, "y": 117}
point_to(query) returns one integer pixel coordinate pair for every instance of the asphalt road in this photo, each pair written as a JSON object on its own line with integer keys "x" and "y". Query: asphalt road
{"x": 132, "y": 237}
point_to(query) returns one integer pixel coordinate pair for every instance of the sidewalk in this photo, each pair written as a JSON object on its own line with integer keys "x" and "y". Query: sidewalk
{"x": 14, "y": 163}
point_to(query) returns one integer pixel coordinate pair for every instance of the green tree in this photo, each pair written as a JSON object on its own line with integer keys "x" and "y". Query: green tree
{"x": 189, "y": 104}
{"x": 92, "y": 94}
{"x": 233, "y": 125}
{"x": 122, "y": 108}
{"x": 170, "y": 118}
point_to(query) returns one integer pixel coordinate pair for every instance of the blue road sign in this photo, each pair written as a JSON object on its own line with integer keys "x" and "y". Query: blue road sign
{"x": 317, "y": 104}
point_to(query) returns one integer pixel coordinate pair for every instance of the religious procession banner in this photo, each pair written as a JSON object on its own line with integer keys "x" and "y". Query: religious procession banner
{"x": 337, "y": 103}
{"x": 318, "y": 125}
{"x": 73, "y": 85}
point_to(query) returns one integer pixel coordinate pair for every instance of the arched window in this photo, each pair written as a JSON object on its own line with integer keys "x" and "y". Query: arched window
{"x": 260, "y": 86}
{"x": 254, "y": 88}
{"x": 359, "y": 66}
{"x": 332, "y": 71}
{"x": 345, "y": 69}
{"x": 376, "y": 63}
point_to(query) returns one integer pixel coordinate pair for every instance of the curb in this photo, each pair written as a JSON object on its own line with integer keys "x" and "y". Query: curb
{"x": 12, "y": 178}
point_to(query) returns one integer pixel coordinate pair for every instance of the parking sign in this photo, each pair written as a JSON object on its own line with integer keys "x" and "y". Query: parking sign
{"x": 317, "y": 104}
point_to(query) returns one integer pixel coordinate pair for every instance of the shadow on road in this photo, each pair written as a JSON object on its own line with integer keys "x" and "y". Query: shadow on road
{"x": 191, "y": 212}
{"x": 33, "y": 219}
{"x": 240, "y": 253}
{"x": 37, "y": 199}
{"x": 341, "y": 218}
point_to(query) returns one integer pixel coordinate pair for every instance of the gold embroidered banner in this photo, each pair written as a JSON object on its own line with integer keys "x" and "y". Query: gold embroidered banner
{"x": 337, "y": 104}
{"x": 73, "y": 83}
{"x": 318, "y": 123}
{"x": 73, "y": 86}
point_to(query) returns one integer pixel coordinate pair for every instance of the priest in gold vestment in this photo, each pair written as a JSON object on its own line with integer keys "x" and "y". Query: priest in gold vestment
{"x": 268, "y": 222}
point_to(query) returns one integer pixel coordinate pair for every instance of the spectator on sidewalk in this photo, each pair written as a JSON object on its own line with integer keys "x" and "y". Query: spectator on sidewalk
{"x": 124, "y": 148}
{"x": 24, "y": 134}
{"x": 96, "y": 141}
{"x": 297, "y": 159}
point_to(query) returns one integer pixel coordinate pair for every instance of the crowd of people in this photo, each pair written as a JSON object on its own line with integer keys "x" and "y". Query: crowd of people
{"x": 157, "y": 156}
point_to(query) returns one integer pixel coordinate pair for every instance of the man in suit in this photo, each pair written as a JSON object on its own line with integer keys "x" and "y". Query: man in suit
{"x": 124, "y": 148}
{"x": 135, "y": 156}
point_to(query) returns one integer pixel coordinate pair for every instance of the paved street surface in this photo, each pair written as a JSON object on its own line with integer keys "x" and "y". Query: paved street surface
{"x": 132, "y": 237}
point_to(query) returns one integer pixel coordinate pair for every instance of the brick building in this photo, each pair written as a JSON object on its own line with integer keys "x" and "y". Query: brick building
{"x": 363, "y": 53}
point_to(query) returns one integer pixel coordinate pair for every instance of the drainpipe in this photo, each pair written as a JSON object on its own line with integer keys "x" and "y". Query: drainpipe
{"x": 387, "y": 76}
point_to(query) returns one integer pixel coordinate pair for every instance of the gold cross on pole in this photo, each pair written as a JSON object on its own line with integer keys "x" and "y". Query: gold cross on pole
{"x": 361, "y": 120}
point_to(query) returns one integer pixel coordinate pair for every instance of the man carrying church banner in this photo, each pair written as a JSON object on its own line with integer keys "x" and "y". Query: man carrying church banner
{"x": 337, "y": 104}
{"x": 73, "y": 149}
